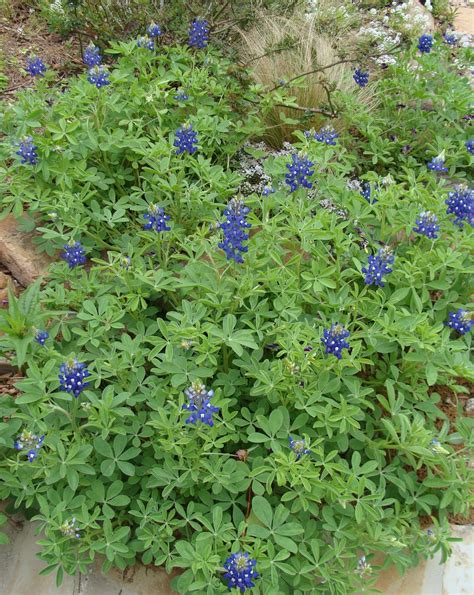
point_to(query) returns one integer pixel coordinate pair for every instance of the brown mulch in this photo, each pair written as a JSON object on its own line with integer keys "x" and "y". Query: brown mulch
{"x": 27, "y": 34}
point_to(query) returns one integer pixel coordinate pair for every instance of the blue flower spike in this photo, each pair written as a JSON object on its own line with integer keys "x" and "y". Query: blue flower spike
{"x": 234, "y": 227}
{"x": 200, "y": 404}
{"x": 240, "y": 571}
{"x": 460, "y": 321}
{"x": 361, "y": 78}
{"x": 334, "y": 339}
{"x": 74, "y": 254}
{"x": 72, "y": 377}
{"x": 299, "y": 447}
{"x": 378, "y": 266}
{"x": 427, "y": 225}
{"x": 299, "y": 172}
{"x": 35, "y": 66}
{"x": 27, "y": 151}
{"x": 425, "y": 44}
{"x": 198, "y": 34}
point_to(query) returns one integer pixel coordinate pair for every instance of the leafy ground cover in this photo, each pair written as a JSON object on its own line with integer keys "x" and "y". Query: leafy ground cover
{"x": 234, "y": 366}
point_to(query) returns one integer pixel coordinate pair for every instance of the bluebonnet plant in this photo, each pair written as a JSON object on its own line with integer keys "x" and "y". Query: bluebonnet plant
{"x": 450, "y": 38}
{"x": 461, "y": 204}
{"x": 41, "y": 336}
{"x": 361, "y": 78}
{"x": 145, "y": 42}
{"x": 200, "y": 404}
{"x": 181, "y": 96}
{"x": 460, "y": 321}
{"x": 299, "y": 447}
{"x": 72, "y": 375}
{"x": 35, "y": 66}
{"x": 469, "y": 144}
{"x": 425, "y": 43}
{"x": 378, "y": 266}
{"x": 268, "y": 190}
{"x": 70, "y": 528}
{"x": 153, "y": 30}
{"x": 240, "y": 571}
{"x": 366, "y": 192}
{"x": 30, "y": 441}
{"x": 327, "y": 135}
{"x": 74, "y": 254}
{"x": 198, "y": 33}
{"x": 234, "y": 227}
{"x": 436, "y": 448}
{"x": 299, "y": 170}
{"x": 363, "y": 567}
{"x": 437, "y": 164}
{"x": 156, "y": 219}
{"x": 92, "y": 56}
{"x": 427, "y": 225}
{"x": 334, "y": 339}
{"x": 186, "y": 140}
{"x": 98, "y": 76}
{"x": 28, "y": 151}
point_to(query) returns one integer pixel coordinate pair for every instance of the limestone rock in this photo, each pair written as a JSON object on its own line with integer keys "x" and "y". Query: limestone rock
{"x": 19, "y": 254}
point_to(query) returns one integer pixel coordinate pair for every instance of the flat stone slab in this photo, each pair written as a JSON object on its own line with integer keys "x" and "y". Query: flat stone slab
{"x": 19, "y": 254}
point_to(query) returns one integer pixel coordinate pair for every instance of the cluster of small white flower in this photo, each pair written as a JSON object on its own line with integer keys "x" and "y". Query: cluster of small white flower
{"x": 57, "y": 6}
{"x": 411, "y": 17}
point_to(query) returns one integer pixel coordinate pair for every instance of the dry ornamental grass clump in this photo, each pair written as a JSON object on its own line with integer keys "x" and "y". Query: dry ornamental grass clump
{"x": 278, "y": 49}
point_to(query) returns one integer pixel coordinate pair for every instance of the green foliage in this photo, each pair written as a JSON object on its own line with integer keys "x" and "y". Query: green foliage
{"x": 120, "y": 459}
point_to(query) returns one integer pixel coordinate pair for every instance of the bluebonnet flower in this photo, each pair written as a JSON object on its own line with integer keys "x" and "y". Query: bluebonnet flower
{"x": 125, "y": 262}
{"x": 435, "y": 446}
{"x": 425, "y": 43}
{"x": 156, "y": 219}
{"x": 181, "y": 96}
{"x": 461, "y": 204}
{"x": 450, "y": 38}
{"x": 200, "y": 404}
{"x": 430, "y": 534}
{"x": 377, "y": 266}
{"x": 98, "y": 76}
{"x": 240, "y": 571}
{"x": 334, "y": 340}
{"x": 361, "y": 77}
{"x": 30, "y": 441}
{"x": 234, "y": 228}
{"x": 299, "y": 170}
{"x": 186, "y": 140}
{"x": 363, "y": 567}
{"x": 154, "y": 30}
{"x": 74, "y": 254}
{"x": 145, "y": 42}
{"x": 92, "y": 56}
{"x": 437, "y": 164}
{"x": 366, "y": 192}
{"x": 268, "y": 190}
{"x": 469, "y": 144}
{"x": 72, "y": 375}
{"x": 427, "y": 225}
{"x": 35, "y": 66}
{"x": 70, "y": 528}
{"x": 460, "y": 321}
{"x": 299, "y": 447}
{"x": 327, "y": 135}
{"x": 28, "y": 151}
{"x": 198, "y": 34}
{"x": 41, "y": 336}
